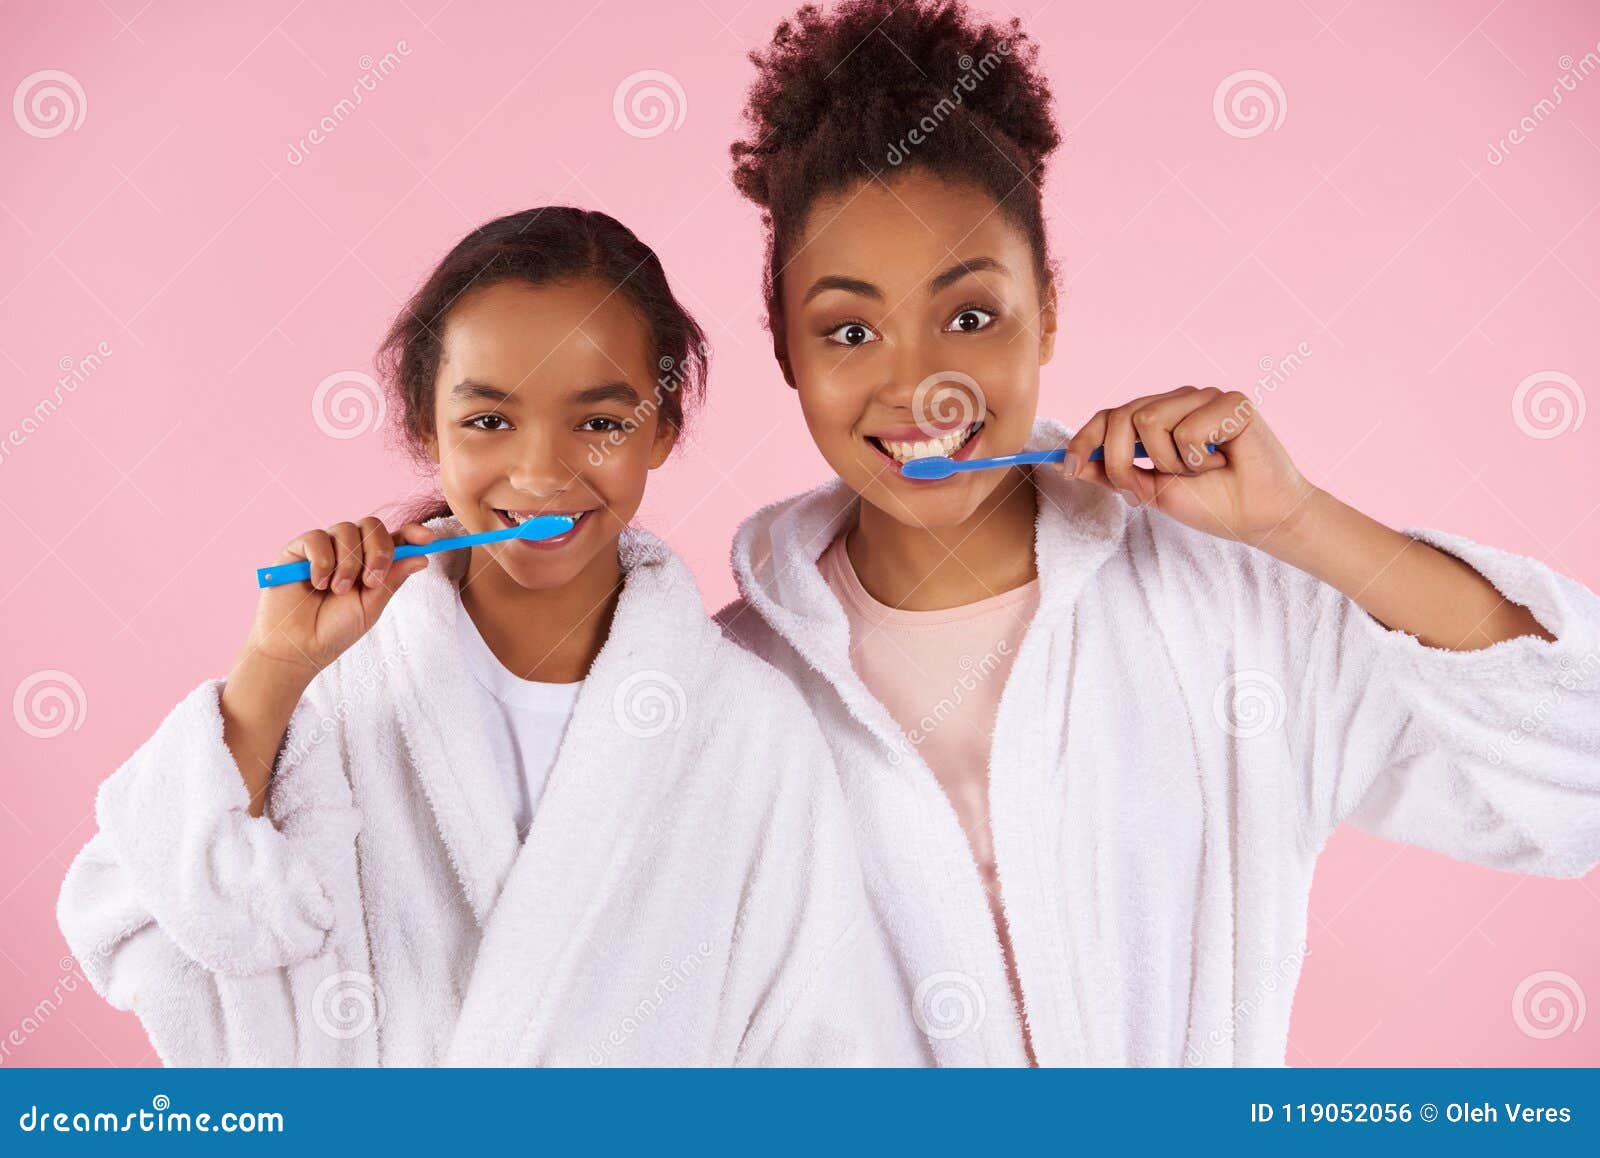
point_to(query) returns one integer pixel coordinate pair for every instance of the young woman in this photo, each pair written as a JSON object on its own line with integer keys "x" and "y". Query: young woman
{"x": 1095, "y": 744}
{"x": 494, "y": 806}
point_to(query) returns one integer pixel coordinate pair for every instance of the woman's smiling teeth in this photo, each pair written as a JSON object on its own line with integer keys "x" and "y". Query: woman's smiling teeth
{"x": 944, "y": 447}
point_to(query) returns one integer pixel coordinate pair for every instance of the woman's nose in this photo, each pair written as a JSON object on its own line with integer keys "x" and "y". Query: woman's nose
{"x": 929, "y": 387}
{"x": 908, "y": 369}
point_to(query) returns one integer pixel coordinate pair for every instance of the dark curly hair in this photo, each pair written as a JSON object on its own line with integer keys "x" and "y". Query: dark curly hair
{"x": 872, "y": 86}
{"x": 538, "y": 246}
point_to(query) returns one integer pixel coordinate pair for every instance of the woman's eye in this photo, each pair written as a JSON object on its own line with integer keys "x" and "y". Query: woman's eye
{"x": 601, "y": 423}
{"x": 482, "y": 418}
{"x": 851, "y": 334}
{"x": 970, "y": 321}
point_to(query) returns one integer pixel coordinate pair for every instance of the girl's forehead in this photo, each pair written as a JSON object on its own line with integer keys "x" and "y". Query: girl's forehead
{"x": 532, "y": 333}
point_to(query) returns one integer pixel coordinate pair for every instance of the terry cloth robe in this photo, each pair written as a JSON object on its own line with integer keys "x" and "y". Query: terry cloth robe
{"x": 688, "y": 892}
{"x": 1186, "y": 721}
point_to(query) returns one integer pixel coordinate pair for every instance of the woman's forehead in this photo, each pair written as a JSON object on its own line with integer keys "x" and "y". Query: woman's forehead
{"x": 902, "y": 231}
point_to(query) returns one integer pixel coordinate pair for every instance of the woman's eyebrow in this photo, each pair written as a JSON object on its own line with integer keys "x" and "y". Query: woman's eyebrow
{"x": 617, "y": 391}
{"x": 850, "y": 285}
{"x": 962, "y": 268}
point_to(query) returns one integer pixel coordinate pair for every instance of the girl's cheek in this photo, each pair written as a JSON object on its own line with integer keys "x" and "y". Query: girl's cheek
{"x": 464, "y": 469}
{"x": 618, "y": 470}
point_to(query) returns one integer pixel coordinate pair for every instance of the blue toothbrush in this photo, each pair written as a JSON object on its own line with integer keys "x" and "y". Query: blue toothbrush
{"x": 938, "y": 466}
{"x": 538, "y": 527}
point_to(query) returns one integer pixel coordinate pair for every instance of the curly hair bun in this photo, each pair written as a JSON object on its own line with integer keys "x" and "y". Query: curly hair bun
{"x": 839, "y": 94}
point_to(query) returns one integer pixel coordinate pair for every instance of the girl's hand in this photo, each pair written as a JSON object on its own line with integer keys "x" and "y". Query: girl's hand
{"x": 305, "y": 626}
{"x": 1247, "y": 490}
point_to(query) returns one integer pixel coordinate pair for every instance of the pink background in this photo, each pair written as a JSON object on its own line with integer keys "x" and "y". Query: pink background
{"x": 227, "y": 283}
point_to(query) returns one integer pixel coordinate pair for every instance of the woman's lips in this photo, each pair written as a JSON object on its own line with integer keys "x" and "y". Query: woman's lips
{"x": 912, "y": 434}
{"x": 550, "y": 544}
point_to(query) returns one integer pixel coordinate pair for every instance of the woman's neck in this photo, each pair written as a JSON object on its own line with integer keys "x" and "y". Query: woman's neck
{"x": 551, "y": 636}
{"x": 918, "y": 569}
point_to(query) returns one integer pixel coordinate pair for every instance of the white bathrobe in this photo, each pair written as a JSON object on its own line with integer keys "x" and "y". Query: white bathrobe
{"x": 1186, "y": 721}
{"x": 688, "y": 892}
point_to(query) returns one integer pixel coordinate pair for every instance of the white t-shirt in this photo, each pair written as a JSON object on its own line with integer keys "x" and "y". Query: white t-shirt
{"x": 524, "y": 719}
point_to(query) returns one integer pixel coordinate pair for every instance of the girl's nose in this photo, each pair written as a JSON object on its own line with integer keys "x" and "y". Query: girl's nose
{"x": 540, "y": 470}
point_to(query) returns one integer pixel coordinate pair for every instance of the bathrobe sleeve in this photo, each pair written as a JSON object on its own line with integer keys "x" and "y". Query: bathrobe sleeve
{"x": 192, "y": 913}
{"x": 1490, "y": 756}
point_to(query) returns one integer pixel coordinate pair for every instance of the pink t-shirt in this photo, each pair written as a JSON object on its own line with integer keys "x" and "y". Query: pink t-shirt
{"x": 940, "y": 674}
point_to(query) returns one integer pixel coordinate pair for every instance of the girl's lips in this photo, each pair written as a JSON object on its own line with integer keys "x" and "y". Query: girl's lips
{"x": 551, "y": 544}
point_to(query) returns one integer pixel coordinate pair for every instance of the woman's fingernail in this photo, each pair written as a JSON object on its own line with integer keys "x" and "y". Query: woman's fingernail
{"x": 340, "y": 586}
{"x": 1130, "y": 498}
{"x": 373, "y": 578}
{"x": 1070, "y": 465}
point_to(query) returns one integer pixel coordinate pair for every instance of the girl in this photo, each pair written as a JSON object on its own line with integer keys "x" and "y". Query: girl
{"x": 1095, "y": 744}
{"x": 327, "y": 859}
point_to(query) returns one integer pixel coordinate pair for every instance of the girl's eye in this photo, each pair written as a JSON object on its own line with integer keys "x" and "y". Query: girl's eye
{"x": 851, "y": 334}
{"x": 970, "y": 321}
{"x": 474, "y": 422}
{"x": 601, "y": 423}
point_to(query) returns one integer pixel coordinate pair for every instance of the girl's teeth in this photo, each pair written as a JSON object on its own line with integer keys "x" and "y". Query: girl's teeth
{"x": 518, "y": 518}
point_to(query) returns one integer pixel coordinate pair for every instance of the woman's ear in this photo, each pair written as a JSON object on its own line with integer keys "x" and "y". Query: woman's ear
{"x": 1047, "y": 324}
{"x": 782, "y": 355}
{"x": 780, "y": 347}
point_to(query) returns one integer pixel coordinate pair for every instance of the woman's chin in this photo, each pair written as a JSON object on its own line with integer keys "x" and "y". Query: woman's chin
{"x": 930, "y": 506}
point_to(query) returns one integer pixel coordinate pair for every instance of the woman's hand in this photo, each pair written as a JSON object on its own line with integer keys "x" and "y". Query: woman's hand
{"x": 1248, "y": 490}
{"x": 306, "y": 626}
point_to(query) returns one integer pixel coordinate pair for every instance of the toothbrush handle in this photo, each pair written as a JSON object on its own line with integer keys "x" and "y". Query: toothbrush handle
{"x": 1033, "y": 457}
{"x": 1098, "y": 454}
{"x": 1026, "y": 458}
{"x": 300, "y": 571}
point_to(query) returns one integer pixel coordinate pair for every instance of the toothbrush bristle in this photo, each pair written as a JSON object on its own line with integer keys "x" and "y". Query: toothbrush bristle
{"x": 527, "y": 527}
{"x": 933, "y": 467}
